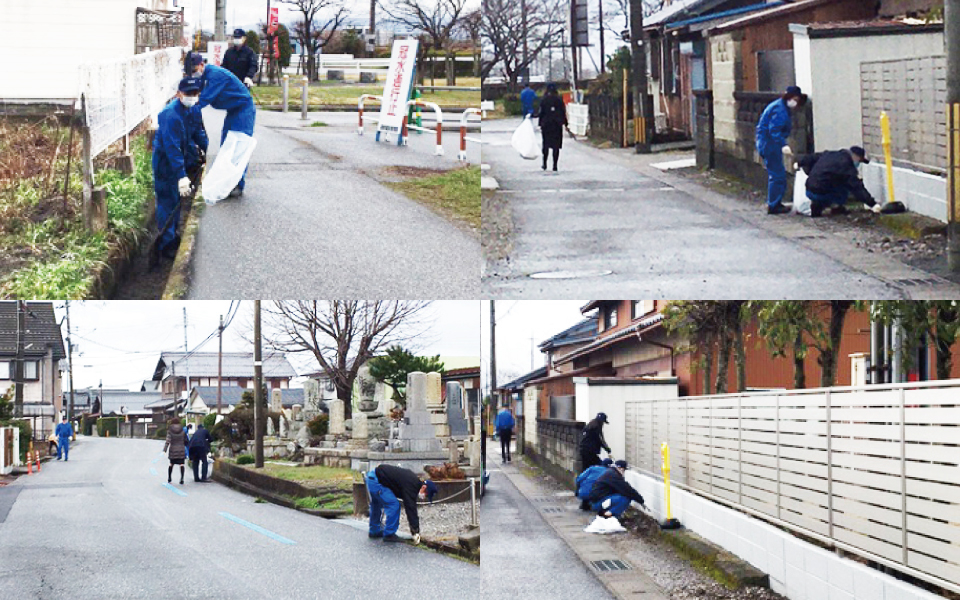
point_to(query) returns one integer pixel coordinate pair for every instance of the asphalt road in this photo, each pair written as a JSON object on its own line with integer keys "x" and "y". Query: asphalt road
{"x": 316, "y": 221}
{"x": 105, "y": 525}
{"x": 522, "y": 556}
{"x": 607, "y": 225}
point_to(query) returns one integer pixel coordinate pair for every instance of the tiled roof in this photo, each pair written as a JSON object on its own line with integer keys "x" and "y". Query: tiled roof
{"x": 231, "y": 395}
{"x": 584, "y": 331}
{"x": 871, "y": 27}
{"x": 519, "y": 382}
{"x": 604, "y": 341}
{"x": 42, "y": 330}
{"x": 235, "y": 364}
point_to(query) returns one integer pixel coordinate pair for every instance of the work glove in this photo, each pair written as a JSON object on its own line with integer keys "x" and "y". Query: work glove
{"x": 184, "y": 185}
{"x": 876, "y": 208}
{"x": 787, "y": 151}
{"x": 416, "y": 539}
{"x": 247, "y": 82}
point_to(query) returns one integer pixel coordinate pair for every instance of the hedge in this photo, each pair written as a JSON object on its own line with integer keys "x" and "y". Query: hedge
{"x": 108, "y": 424}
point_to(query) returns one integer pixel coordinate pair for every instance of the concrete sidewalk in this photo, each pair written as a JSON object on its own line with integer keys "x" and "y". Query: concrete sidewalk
{"x": 597, "y": 552}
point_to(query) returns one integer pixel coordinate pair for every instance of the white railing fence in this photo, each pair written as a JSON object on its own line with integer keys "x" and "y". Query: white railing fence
{"x": 119, "y": 95}
{"x": 875, "y": 470}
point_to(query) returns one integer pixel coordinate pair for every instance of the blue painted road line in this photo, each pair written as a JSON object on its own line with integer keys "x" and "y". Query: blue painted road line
{"x": 178, "y": 491}
{"x": 153, "y": 471}
{"x": 258, "y": 529}
{"x": 156, "y": 459}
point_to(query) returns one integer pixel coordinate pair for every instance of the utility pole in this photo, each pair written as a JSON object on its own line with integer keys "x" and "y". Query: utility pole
{"x": 258, "y": 417}
{"x": 951, "y": 30}
{"x": 638, "y": 76}
{"x": 373, "y": 20}
{"x": 525, "y": 72}
{"x": 603, "y": 55}
{"x": 70, "y": 360}
{"x": 220, "y": 371}
{"x": 493, "y": 353}
{"x": 18, "y": 365}
{"x": 220, "y": 33}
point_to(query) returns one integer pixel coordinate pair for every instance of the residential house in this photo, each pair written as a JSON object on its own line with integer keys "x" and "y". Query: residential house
{"x": 179, "y": 372}
{"x": 43, "y": 349}
{"x": 203, "y": 399}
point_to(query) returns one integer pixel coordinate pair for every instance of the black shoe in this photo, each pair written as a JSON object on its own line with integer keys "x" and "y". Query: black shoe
{"x": 235, "y": 193}
{"x": 554, "y": 168}
{"x": 839, "y": 210}
{"x": 392, "y": 538}
{"x": 816, "y": 211}
{"x": 375, "y": 535}
{"x": 777, "y": 209}
{"x": 169, "y": 480}
{"x": 584, "y": 505}
{"x": 544, "y": 167}
{"x": 181, "y": 482}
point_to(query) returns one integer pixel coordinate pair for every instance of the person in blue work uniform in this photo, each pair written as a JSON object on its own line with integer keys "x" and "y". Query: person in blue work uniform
{"x": 199, "y": 448}
{"x": 611, "y": 494}
{"x": 389, "y": 486}
{"x": 64, "y": 432}
{"x": 773, "y": 130}
{"x": 222, "y": 90}
{"x": 586, "y": 480}
{"x": 505, "y": 424}
{"x": 178, "y": 146}
{"x": 240, "y": 59}
{"x": 832, "y": 177}
{"x": 527, "y": 99}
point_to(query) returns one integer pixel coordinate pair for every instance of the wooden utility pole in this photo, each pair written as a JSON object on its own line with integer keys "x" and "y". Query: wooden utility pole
{"x": 70, "y": 361}
{"x": 258, "y": 416}
{"x": 638, "y": 74}
{"x": 525, "y": 71}
{"x": 220, "y": 27}
{"x": 18, "y": 365}
{"x": 493, "y": 353}
{"x": 951, "y": 30}
{"x": 220, "y": 370}
{"x": 603, "y": 54}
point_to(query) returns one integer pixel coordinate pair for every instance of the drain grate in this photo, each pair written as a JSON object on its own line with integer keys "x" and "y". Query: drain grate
{"x": 551, "y": 509}
{"x": 541, "y": 499}
{"x": 605, "y": 566}
{"x": 919, "y": 282}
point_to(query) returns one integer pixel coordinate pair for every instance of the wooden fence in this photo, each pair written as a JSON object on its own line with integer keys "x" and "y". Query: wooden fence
{"x": 875, "y": 471}
{"x": 606, "y": 118}
{"x": 913, "y": 92}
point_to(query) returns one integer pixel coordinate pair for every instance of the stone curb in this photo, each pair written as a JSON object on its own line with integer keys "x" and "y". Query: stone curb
{"x": 489, "y": 184}
{"x": 179, "y": 278}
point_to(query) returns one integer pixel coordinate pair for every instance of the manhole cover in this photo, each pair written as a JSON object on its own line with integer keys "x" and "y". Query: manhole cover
{"x": 570, "y": 274}
{"x": 610, "y": 565}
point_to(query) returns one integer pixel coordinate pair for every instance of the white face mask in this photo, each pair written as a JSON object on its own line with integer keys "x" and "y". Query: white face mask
{"x": 792, "y": 103}
{"x": 189, "y": 101}
{"x": 237, "y": 41}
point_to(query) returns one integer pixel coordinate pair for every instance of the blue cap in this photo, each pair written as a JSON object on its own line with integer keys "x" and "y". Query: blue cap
{"x": 861, "y": 153}
{"x": 551, "y": 87}
{"x": 192, "y": 59}
{"x": 190, "y": 84}
{"x": 606, "y": 462}
{"x": 239, "y": 32}
{"x": 602, "y": 417}
{"x": 620, "y": 464}
{"x": 432, "y": 490}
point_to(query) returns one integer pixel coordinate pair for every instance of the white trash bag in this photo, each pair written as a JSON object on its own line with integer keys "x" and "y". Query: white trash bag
{"x": 524, "y": 140}
{"x": 229, "y": 166}
{"x": 602, "y": 525}
{"x": 801, "y": 204}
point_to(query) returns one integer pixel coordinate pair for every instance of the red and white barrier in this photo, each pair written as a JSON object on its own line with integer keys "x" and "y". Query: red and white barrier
{"x": 439, "y": 130}
{"x": 463, "y": 131}
{"x": 360, "y": 109}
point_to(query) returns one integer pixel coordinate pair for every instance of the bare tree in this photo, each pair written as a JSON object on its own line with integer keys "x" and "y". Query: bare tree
{"x": 314, "y": 34}
{"x": 341, "y": 335}
{"x": 503, "y": 35}
{"x": 435, "y": 19}
{"x": 471, "y": 26}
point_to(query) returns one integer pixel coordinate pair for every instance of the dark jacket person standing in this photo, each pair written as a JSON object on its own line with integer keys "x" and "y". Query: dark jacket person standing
{"x": 591, "y": 441}
{"x": 553, "y": 118}
{"x": 240, "y": 59}
{"x": 199, "y": 449}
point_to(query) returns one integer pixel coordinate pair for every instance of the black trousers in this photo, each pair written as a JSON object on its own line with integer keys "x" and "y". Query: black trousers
{"x": 588, "y": 459}
{"x": 196, "y": 456}
{"x": 505, "y": 436}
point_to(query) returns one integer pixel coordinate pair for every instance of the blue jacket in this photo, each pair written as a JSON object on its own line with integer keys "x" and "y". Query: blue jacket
{"x": 774, "y": 127}
{"x": 222, "y": 89}
{"x": 505, "y": 420}
{"x": 64, "y": 430}
{"x": 527, "y": 98}
{"x": 180, "y": 128}
{"x": 586, "y": 479}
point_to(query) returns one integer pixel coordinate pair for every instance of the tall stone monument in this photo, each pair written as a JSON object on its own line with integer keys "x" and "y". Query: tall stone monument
{"x": 311, "y": 399}
{"x": 434, "y": 398}
{"x": 276, "y": 401}
{"x": 455, "y": 417}
{"x": 417, "y": 433}
{"x": 336, "y": 424}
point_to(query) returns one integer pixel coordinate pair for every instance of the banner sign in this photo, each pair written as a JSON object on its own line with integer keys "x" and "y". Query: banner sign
{"x": 274, "y": 21}
{"x": 216, "y": 50}
{"x": 396, "y": 91}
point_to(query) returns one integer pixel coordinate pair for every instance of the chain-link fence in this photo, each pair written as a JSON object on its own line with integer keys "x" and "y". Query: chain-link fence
{"x": 119, "y": 95}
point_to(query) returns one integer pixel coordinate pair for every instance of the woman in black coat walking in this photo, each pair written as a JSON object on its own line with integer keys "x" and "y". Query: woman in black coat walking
{"x": 553, "y": 119}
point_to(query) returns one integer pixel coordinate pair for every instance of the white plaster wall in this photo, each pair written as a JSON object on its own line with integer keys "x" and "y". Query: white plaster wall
{"x": 797, "y": 569}
{"x": 45, "y": 41}
{"x": 612, "y": 399}
{"x": 531, "y": 411}
{"x": 830, "y": 72}
{"x": 921, "y": 193}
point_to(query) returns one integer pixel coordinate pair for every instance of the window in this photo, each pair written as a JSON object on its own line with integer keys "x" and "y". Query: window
{"x": 31, "y": 370}
{"x": 5, "y": 370}
{"x": 642, "y": 307}
{"x": 610, "y": 318}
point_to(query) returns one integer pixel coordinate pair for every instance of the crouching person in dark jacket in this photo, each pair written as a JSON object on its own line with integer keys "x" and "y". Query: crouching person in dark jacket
{"x": 389, "y": 486}
{"x": 586, "y": 480}
{"x": 832, "y": 177}
{"x": 611, "y": 494}
{"x": 199, "y": 449}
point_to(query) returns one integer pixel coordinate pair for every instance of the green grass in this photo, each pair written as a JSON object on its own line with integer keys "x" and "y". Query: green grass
{"x": 58, "y": 257}
{"x": 327, "y": 501}
{"x": 455, "y": 194}
{"x": 313, "y": 475}
{"x": 348, "y": 95}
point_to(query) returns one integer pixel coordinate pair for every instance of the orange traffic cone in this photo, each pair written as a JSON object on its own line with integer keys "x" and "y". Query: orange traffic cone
{"x": 29, "y": 465}
{"x": 38, "y": 461}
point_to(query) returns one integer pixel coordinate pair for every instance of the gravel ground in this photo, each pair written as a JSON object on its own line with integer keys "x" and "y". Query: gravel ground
{"x": 679, "y": 579}
{"x": 440, "y": 522}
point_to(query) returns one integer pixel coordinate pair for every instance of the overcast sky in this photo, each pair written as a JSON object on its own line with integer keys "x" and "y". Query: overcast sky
{"x": 120, "y": 341}
{"x": 517, "y": 322}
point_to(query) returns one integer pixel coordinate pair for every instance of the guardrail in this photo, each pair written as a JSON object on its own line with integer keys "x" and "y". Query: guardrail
{"x": 872, "y": 470}
{"x": 360, "y": 102}
{"x": 463, "y": 132}
{"x": 439, "y": 130}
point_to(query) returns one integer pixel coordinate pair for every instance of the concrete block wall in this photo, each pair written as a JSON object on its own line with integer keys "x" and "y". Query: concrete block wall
{"x": 922, "y": 193}
{"x": 798, "y": 570}
{"x": 557, "y": 449}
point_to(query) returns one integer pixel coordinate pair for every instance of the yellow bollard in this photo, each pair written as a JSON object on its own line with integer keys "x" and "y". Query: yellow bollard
{"x": 670, "y": 523}
{"x": 886, "y": 141}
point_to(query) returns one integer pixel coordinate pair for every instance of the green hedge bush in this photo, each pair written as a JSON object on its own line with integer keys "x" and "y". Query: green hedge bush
{"x": 109, "y": 424}
{"x": 245, "y": 459}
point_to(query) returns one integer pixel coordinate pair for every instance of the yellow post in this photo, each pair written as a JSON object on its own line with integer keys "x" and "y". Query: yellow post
{"x": 885, "y": 129}
{"x": 670, "y": 523}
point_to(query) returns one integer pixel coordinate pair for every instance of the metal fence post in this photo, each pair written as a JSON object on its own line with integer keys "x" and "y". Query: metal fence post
{"x": 740, "y": 449}
{"x": 903, "y": 472}
{"x": 303, "y": 101}
{"x": 829, "y": 464}
{"x": 473, "y": 503}
{"x": 286, "y": 92}
{"x": 777, "y": 420}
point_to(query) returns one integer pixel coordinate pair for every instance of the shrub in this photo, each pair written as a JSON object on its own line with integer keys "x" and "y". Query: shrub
{"x": 161, "y": 432}
{"x": 319, "y": 425}
{"x": 110, "y": 424}
{"x": 245, "y": 459}
{"x": 511, "y": 105}
{"x": 26, "y": 434}
{"x": 210, "y": 420}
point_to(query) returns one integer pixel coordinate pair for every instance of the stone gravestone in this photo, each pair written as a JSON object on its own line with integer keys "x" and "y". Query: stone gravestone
{"x": 365, "y": 388}
{"x": 381, "y": 396}
{"x": 360, "y": 429}
{"x": 336, "y": 425}
{"x": 283, "y": 426}
{"x": 295, "y": 412}
{"x": 276, "y": 401}
{"x": 455, "y": 417}
{"x": 270, "y": 430}
{"x": 303, "y": 436}
{"x": 454, "y": 451}
{"x": 434, "y": 397}
{"x": 311, "y": 399}
{"x": 417, "y": 433}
